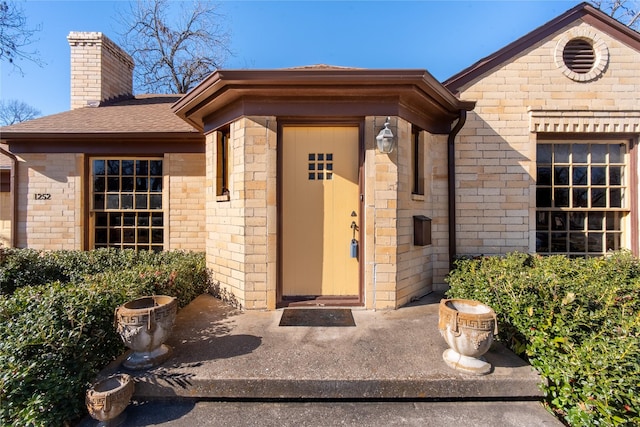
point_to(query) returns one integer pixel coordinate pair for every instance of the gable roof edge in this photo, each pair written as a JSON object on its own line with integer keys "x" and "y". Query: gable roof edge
{"x": 585, "y": 11}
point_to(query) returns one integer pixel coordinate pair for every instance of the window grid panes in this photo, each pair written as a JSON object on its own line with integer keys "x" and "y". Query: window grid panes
{"x": 126, "y": 202}
{"x": 320, "y": 166}
{"x": 580, "y": 197}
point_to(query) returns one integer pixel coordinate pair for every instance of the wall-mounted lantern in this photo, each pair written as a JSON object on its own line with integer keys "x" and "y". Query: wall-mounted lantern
{"x": 385, "y": 139}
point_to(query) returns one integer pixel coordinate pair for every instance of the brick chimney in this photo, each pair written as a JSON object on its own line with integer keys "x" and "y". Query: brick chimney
{"x": 100, "y": 70}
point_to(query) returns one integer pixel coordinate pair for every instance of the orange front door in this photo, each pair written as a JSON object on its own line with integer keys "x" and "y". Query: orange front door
{"x": 320, "y": 207}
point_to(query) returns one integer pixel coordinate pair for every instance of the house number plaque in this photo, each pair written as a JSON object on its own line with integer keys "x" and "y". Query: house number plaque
{"x": 43, "y": 196}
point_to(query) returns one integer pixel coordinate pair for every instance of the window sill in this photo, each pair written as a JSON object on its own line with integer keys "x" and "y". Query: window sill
{"x": 417, "y": 197}
{"x": 223, "y": 198}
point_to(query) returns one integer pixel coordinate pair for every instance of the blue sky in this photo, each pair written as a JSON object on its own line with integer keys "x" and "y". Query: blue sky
{"x": 442, "y": 37}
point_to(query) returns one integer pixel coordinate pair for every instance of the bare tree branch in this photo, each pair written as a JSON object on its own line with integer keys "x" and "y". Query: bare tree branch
{"x": 14, "y": 111}
{"x": 15, "y": 36}
{"x": 625, "y": 11}
{"x": 174, "y": 51}
{"x": 634, "y": 22}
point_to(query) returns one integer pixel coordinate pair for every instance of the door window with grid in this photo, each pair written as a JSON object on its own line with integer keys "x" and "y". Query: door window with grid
{"x": 126, "y": 204}
{"x": 581, "y": 197}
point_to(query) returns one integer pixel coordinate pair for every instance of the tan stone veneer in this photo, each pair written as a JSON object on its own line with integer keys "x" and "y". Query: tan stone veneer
{"x": 242, "y": 231}
{"x": 520, "y": 101}
{"x": 100, "y": 69}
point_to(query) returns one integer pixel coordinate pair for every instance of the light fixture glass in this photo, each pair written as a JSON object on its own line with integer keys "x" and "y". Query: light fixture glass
{"x": 385, "y": 139}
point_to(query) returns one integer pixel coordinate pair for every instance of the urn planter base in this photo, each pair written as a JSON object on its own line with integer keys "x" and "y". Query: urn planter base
{"x": 116, "y": 422}
{"x": 468, "y": 327}
{"x": 466, "y": 364}
{"x": 139, "y": 360}
{"x": 107, "y": 399}
{"x": 144, "y": 324}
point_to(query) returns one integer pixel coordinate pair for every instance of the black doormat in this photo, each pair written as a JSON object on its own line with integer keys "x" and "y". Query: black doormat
{"x": 317, "y": 317}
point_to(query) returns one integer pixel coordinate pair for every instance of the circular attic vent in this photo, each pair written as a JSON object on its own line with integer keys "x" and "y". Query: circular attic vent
{"x": 579, "y": 56}
{"x": 582, "y": 55}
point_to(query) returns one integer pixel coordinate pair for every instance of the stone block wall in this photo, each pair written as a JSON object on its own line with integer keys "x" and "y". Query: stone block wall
{"x": 421, "y": 268}
{"x": 5, "y": 219}
{"x": 396, "y": 270}
{"x": 51, "y": 210}
{"x": 185, "y": 202}
{"x": 241, "y": 231}
{"x": 517, "y": 103}
{"x": 100, "y": 69}
{"x": 381, "y": 218}
{"x": 50, "y": 201}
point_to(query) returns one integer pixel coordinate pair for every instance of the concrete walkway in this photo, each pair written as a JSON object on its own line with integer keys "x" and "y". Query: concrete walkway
{"x": 242, "y": 368}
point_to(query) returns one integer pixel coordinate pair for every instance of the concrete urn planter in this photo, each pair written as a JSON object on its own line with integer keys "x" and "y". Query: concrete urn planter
{"x": 108, "y": 398}
{"x": 468, "y": 327}
{"x": 144, "y": 324}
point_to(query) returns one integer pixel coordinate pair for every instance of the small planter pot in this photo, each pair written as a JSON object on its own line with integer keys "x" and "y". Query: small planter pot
{"x": 468, "y": 327}
{"x": 107, "y": 399}
{"x": 144, "y": 324}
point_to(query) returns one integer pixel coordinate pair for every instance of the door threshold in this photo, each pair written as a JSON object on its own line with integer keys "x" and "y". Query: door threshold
{"x": 321, "y": 301}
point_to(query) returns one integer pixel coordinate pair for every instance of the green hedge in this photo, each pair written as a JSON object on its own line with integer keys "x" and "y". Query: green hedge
{"x": 28, "y": 267}
{"x": 55, "y": 337}
{"x": 577, "y": 321}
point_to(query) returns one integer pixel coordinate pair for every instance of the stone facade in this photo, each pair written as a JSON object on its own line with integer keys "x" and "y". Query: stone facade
{"x": 5, "y": 219}
{"x": 395, "y": 269}
{"x": 100, "y": 70}
{"x": 50, "y": 201}
{"x": 242, "y": 231}
{"x": 242, "y": 234}
{"x": 523, "y": 99}
{"x": 53, "y": 187}
{"x": 185, "y": 201}
{"x": 51, "y": 211}
{"x": 526, "y": 94}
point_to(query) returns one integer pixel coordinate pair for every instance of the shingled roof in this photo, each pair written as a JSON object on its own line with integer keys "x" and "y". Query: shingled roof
{"x": 142, "y": 114}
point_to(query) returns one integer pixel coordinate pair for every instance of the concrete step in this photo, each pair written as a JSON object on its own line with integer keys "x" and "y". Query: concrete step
{"x": 222, "y": 353}
{"x": 190, "y": 413}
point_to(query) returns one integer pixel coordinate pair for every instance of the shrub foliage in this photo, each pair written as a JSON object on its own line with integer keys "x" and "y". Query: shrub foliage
{"x": 56, "y": 335}
{"x": 577, "y": 321}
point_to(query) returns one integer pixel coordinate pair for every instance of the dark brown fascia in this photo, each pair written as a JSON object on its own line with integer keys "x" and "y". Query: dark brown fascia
{"x": 328, "y": 108}
{"x": 318, "y": 108}
{"x": 121, "y": 143}
{"x": 9, "y": 137}
{"x": 351, "y": 92}
{"x": 583, "y": 11}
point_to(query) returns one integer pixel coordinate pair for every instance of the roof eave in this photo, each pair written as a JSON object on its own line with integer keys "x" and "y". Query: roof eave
{"x": 225, "y": 87}
{"x": 584, "y": 11}
{"x": 8, "y": 137}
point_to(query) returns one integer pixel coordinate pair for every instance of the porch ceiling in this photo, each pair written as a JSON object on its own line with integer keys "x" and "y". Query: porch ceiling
{"x": 321, "y": 92}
